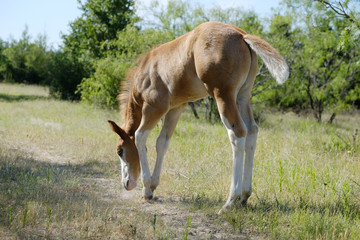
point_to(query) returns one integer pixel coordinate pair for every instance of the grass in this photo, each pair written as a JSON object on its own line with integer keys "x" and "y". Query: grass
{"x": 51, "y": 162}
{"x": 53, "y": 155}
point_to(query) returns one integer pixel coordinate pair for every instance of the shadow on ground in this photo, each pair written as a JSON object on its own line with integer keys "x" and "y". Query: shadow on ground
{"x": 17, "y": 98}
{"x": 29, "y": 188}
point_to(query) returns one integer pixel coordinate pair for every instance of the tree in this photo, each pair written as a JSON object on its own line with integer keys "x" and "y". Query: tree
{"x": 65, "y": 75}
{"x": 351, "y": 31}
{"x": 320, "y": 68}
{"x": 99, "y": 23}
{"x": 5, "y": 65}
{"x": 25, "y": 61}
{"x": 88, "y": 42}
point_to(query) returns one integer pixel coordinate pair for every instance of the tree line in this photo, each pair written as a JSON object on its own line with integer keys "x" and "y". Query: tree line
{"x": 319, "y": 40}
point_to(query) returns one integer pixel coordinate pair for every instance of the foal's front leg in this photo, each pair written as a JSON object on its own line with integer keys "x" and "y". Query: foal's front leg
{"x": 163, "y": 141}
{"x": 150, "y": 116}
{"x": 140, "y": 142}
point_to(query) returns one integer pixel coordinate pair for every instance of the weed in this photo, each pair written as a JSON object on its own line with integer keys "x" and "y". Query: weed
{"x": 25, "y": 214}
{"x": 49, "y": 217}
{"x": 48, "y": 176}
{"x": 11, "y": 214}
{"x": 281, "y": 175}
{"x": 154, "y": 223}
{"x": 187, "y": 228}
{"x": 133, "y": 230}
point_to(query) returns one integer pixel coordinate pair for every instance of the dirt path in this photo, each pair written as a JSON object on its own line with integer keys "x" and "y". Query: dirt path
{"x": 170, "y": 210}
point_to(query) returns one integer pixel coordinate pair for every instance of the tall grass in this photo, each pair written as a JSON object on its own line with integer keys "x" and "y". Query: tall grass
{"x": 305, "y": 186}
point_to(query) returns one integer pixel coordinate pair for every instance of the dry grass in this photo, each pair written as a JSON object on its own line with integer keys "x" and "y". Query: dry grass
{"x": 59, "y": 172}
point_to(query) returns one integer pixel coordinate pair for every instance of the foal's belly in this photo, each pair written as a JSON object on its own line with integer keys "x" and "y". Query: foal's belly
{"x": 188, "y": 90}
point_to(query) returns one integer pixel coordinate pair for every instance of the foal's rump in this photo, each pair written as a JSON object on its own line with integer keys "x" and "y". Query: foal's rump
{"x": 222, "y": 58}
{"x": 223, "y": 52}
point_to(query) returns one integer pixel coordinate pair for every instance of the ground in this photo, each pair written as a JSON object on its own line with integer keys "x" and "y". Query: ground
{"x": 60, "y": 177}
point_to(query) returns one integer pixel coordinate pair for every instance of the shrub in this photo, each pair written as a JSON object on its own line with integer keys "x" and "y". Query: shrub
{"x": 66, "y": 74}
{"x": 102, "y": 87}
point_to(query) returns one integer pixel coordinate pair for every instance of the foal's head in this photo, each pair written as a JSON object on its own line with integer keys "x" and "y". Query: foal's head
{"x": 129, "y": 157}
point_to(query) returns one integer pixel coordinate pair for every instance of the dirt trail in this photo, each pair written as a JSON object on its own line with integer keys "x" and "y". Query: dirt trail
{"x": 172, "y": 212}
{"x": 169, "y": 209}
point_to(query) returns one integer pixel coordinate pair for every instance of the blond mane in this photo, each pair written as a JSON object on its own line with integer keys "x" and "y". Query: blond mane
{"x": 125, "y": 87}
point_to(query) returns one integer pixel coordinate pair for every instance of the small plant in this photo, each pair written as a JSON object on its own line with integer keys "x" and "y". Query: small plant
{"x": 313, "y": 178}
{"x": 10, "y": 214}
{"x": 48, "y": 176}
{"x": 294, "y": 177}
{"x": 187, "y": 228}
{"x": 25, "y": 217}
{"x": 133, "y": 229}
{"x": 49, "y": 216}
{"x": 354, "y": 138}
{"x": 154, "y": 223}
{"x": 281, "y": 174}
{"x": 346, "y": 195}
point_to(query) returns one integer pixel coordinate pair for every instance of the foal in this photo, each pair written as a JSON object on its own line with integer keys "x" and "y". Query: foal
{"x": 214, "y": 59}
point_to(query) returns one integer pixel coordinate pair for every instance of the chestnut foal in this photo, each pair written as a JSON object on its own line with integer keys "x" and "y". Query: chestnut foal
{"x": 214, "y": 59}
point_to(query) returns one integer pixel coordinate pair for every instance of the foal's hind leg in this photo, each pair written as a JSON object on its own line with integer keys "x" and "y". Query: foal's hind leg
{"x": 237, "y": 134}
{"x": 162, "y": 143}
{"x": 250, "y": 145}
{"x": 243, "y": 102}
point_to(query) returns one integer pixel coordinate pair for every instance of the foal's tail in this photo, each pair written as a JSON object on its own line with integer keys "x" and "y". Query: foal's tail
{"x": 273, "y": 60}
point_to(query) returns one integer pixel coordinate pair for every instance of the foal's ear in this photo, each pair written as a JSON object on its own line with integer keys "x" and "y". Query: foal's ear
{"x": 118, "y": 130}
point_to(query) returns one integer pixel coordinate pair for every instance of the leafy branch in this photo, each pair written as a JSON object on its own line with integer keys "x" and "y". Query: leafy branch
{"x": 338, "y": 9}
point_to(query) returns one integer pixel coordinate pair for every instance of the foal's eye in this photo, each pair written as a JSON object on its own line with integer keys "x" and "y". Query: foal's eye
{"x": 120, "y": 152}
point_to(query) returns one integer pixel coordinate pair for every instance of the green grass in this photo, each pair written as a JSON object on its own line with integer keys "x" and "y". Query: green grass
{"x": 53, "y": 155}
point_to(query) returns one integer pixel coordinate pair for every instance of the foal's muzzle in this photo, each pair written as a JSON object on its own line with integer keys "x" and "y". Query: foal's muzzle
{"x": 129, "y": 184}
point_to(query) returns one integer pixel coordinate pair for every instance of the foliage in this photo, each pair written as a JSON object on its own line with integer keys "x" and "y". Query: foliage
{"x": 102, "y": 87}
{"x": 66, "y": 74}
{"x": 351, "y": 32}
{"x": 86, "y": 43}
{"x": 322, "y": 76}
{"x": 100, "y": 21}
{"x": 5, "y": 65}
{"x": 24, "y": 61}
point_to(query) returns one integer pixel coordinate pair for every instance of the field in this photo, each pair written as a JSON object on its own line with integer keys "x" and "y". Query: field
{"x": 59, "y": 177}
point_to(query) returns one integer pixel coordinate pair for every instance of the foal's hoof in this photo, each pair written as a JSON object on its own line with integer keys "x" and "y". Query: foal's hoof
{"x": 149, "y": 197}
{"x": 244, "y": 198}
{"x": 243, "y": 202}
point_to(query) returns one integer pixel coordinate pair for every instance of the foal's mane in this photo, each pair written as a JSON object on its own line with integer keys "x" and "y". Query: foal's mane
{"x": 125, "y": 88}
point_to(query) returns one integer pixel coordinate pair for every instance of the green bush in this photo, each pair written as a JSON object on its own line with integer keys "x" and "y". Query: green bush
{"x": 25, "y": 61}
{"x": 65, "y": 75}
{"x": 5, "y": 65}
{"x": 102, "y": 87}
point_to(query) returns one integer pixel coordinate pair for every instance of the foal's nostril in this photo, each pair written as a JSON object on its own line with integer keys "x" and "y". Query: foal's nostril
{"x": 127, "y": 184}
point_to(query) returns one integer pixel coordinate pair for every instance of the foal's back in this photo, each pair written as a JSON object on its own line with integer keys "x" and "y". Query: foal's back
{"x": 210, "y": 57}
